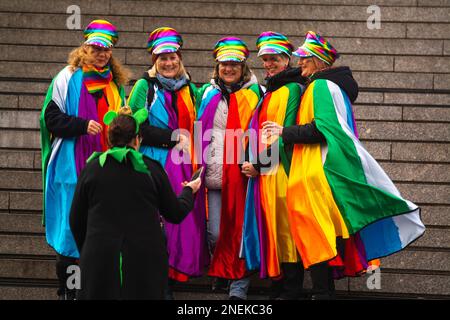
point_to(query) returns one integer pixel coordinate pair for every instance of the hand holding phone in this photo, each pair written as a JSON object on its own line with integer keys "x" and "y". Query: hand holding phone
{"x": 197, "y": 173}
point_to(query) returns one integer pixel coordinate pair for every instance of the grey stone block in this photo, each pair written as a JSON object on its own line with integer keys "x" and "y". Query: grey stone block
{"x": 417, "y": 260}
{"x": 422, "y": 64}
{"x": 24, "y": 87}
{"x": 417, "y": 98}
{"x": 433, "y": 31}
{"x": 4, "y": 200}
{"x": 442, "y": 82}
{"x": 59, "y": 6}
{"x": 378, "y": 150}
{"x": 370, "y": 97}
{"x": 37, "y": 37}
{"x": 394, "y": 80}
{"x": 25, "y": 201}
{"x": 19, "y": 119}
{"x": 268, "y": 11}
{"x": 31, "y": 102}
{"x": 27, "y": 293}
{"x": 29, "y": 269}
{"x": 397, "y": 283}
{"x": 433, "y": 3}
{"x": 417, "y": 172}
{"x": 21, "y": 244}
{"x": 21, "y": 223}
{"x": 426, "y": 114}
{"x": 37, "y": 163}
{"x": 447, "y": 47}
{"x": 425, "y": 193}
{"x": 388, "y": 46}
{"x": 19, "y": 139}
{"x": 20, "y": 180}
{"x": 17, "y": 159}
{"x": 436, "y": 215}
{"x": 420, "y": 151}
{"x": 30, "y": 69}
{"x": 293, "y": 29}
{"x": 404, "y": 131}
{"x": 366, "y": 63}
{"x": 8, "y": 101}
{"x": 387, "y": 3}
{"x": 434, "y": 238}
{"x": 374, "y": 112}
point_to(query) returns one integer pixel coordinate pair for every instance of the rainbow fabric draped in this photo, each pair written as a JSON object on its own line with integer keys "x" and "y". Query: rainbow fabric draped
{"x": 267, "y": 239}
{"x": 63, "y": 159}
{"x": 226, "y": 262}
{"x": 339, "y": 190}
{"x": 186, "y": 242}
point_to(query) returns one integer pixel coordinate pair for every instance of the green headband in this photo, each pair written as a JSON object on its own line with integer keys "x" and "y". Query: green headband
{"x": 139, "y": 116}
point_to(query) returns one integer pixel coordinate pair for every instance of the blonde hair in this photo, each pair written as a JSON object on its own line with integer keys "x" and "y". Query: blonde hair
{"x": 181, "y": 72}
{"x": 78, "y": 58}
{"x": 246, "y": 72}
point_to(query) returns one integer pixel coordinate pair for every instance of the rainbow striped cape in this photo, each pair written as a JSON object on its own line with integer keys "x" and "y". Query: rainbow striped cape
{"x": 186, "y": 242}
{"x": 226, "y": 262}
{"x": 267, "y": 241}
{"x": 63, "y": 159}
{"x": 339, "y": 190}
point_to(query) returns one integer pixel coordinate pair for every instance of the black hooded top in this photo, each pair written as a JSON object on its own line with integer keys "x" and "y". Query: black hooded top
{"x": 308, "y": 133}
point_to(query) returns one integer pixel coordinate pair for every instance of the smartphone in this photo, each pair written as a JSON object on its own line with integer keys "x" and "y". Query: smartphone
{"x": 197, "y": 173}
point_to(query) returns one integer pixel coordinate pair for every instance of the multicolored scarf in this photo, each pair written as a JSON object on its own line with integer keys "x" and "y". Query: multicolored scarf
{"x": 226, "y": 262}
{"x": 96, "y": 79}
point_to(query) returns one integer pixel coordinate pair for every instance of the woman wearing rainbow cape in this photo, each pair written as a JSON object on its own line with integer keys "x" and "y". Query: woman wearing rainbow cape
{"x": 169, "y": 96}
{"x": 336, "y": 188}
{"x": 268, "y": 244}
{"x": 225, "y": 107}
{"x": 72, "y": 128}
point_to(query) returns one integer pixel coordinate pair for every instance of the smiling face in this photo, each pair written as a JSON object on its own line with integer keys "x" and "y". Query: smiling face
{"x": 311, "y": 65}
{"x": 168, "y": 65}
{"x": 100, "y": 56}
{"x": 274, "y": 63}
{"x": 230, "y": 72}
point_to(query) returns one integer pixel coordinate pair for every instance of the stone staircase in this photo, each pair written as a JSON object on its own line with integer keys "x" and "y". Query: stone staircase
{"x": 402, "y": 112}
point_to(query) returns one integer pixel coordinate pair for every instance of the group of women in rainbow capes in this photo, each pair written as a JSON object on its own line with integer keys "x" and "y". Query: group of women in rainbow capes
{"x": 320, "y": 203}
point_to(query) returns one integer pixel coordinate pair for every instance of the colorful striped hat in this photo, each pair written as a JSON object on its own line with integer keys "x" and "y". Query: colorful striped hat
{"x": 230, "y": 49}
{"x": 315, "y": 45}
{"x": 164, "y": 40}
{"x": 101, "y": 33}
{"x": 270, "y": 42}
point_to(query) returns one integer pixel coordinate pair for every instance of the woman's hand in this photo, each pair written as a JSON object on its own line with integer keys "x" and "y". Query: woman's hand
{"x": 194, "y": 185}
{"x": 94, "y": 128}
{"x": 183, "y": 143}
{"x": 249, "y": 170}
{"x": 271, "y": 128}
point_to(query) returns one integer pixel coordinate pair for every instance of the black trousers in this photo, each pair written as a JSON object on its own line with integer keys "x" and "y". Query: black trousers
{"x": 62, "y": 263}
{"x": 322, "y": 280}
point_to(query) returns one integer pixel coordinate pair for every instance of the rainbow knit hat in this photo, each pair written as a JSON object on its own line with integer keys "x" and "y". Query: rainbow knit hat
{"x": 315, "y": 45}
{"x": 270, "y": 42}
{"x": 101, "y": 33}
{"x": 230, "y": 49}
{"x": 164, "y": 40}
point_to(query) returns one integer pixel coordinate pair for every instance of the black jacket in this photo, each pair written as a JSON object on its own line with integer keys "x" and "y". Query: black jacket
{"x": 115, "y": 212}
{"x": 308, "y": 133}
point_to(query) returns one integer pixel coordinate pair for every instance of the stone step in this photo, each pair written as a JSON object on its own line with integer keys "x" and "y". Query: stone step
{"x": 25, "y": 202}
{"x": 398, "y": 172}
{"x": 21, "y": 223}
{"x": 19, "y": 159}
{"x": 373, "y": 99}
{"x": 373, "y": 46}
{"x": 27, "y": 293}
{"x": 269, "y": 11}
{"x": 436, "y": 238}
{"x": 381, "y": 80}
